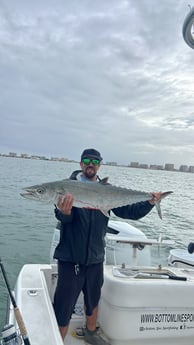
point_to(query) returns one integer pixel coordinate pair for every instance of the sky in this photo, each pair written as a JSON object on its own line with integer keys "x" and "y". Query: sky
{"x": 115, "y": 75}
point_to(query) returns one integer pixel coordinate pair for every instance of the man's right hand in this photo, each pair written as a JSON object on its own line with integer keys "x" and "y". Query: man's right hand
{"x": 65, "y": 204}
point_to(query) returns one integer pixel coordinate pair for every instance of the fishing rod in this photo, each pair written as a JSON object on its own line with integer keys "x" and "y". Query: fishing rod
{"x": 17, "y": 313}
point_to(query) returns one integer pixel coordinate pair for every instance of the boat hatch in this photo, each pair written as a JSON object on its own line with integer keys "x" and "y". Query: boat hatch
{"x": 146, "y": 273}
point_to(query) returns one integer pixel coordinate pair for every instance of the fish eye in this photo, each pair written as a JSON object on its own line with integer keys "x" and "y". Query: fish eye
{"x": 40, "y": 190}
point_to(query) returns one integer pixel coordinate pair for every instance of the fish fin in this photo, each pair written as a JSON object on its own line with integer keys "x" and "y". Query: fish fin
{"x": 157, "y": 204}
{"x": 105, "y": 212}
{"x": 104, "y": 180}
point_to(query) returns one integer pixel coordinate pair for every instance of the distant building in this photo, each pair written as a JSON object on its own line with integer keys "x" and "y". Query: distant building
{"x": 12, "y": 154}
{"x": 156, "y": 167}
{"x": 184, "y": 168}
{"x": 62, "y": 159}
{"x": 134, "y": 165}
{"x": 44, "y": 158}
{"x": 24, "y": 155}
{"x": 169, "y": 166}
{"x": 35, "y": 157}
{"x": 54, "y": 158}
{"x": 111, "y": 163}
{"x": 191, "y": 169}
{"x": 143, "y": 166}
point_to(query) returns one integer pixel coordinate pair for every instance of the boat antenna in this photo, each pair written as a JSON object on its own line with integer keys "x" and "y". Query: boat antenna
{"x": 17, "y": 313}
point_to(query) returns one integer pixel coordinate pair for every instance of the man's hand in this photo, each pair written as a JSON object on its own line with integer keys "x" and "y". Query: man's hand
{"x": 156, "y": 197}
{"x": 65, "y": 204}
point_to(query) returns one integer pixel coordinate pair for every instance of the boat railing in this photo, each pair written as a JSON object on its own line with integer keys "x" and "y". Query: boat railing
{"x": 137, "y": 243}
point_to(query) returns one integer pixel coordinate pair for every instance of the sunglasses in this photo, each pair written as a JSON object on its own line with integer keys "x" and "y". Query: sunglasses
{"x": 87, "y": 161}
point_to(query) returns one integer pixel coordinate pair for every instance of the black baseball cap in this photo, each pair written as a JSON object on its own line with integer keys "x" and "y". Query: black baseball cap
{"x": 91, "y": 153}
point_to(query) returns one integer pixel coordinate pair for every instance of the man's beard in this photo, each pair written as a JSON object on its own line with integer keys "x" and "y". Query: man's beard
{"x": 89, "y": 172}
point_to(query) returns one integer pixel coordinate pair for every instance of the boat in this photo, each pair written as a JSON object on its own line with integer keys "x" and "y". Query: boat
{"x": 140, "y": 304}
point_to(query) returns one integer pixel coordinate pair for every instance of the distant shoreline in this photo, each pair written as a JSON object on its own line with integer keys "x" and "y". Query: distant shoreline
{"x": 136, "y": 165}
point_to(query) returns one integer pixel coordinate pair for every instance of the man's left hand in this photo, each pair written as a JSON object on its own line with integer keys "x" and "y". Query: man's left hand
{"x": 156, "y": 197}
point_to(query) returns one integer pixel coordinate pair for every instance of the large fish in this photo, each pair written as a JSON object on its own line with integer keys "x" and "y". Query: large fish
{"x": 101, "y": 196}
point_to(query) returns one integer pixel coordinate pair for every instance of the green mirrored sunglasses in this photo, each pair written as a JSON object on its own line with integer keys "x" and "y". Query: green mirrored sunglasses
{"x": 87, "y": 161}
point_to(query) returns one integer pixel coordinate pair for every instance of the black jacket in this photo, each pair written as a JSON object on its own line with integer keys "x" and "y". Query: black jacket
{"x": 82, "y": 234}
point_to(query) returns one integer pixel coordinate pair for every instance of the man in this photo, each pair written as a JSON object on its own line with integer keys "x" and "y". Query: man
{"x": 80, "y": 252}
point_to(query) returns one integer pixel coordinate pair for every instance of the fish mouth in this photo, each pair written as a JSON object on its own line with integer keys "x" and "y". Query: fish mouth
{"x": 28, "y": 193}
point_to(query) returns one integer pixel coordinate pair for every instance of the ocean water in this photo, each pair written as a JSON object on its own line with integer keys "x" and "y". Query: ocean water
{"x": 26, "y": 227}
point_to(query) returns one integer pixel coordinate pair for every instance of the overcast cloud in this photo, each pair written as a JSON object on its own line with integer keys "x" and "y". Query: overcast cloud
{"x": 114, "y": 75}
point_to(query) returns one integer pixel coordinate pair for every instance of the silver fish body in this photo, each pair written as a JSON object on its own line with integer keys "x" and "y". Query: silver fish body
{"x": 101, "y": 196}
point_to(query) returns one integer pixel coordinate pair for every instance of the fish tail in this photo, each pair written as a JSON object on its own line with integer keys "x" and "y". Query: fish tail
{"x": 157, "y": 204}
{"x": 164, "y": 194}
